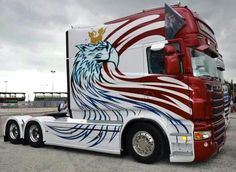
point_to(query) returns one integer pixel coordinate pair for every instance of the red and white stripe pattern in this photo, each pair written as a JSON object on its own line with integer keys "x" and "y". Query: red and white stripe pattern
{"x": 165, "y": 93}
{"x": 126, "y": 33}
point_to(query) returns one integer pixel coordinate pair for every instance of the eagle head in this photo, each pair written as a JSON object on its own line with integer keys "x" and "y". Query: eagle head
{"x": 98, "y": 53}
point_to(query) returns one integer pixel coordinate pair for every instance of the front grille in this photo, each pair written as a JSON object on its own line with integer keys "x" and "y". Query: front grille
{"x": 217, "y": 110}
{"x": 226, "y": 104}
{"x": 217, "y": 96}
{"x": 219, "y": 130}
{"x": 218, "y": 107}
{"x": 227, "y": 112}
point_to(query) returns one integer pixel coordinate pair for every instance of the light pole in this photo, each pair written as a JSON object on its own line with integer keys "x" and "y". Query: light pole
{"x": 6, "y": 85}
{"x": 53, "y": 72}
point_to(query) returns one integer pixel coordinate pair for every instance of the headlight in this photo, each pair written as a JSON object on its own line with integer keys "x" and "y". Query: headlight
{"x": 201, "y": 135}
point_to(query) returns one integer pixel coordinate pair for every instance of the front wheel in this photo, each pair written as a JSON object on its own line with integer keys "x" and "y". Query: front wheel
{"x": 13, "y": 132}
{"x": 34, "y": 134}
{"x": 146, "y": 143}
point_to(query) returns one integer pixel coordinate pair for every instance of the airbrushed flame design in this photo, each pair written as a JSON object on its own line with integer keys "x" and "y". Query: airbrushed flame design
{"x": 98, "y": 87}
{"x": 81, "y": 132}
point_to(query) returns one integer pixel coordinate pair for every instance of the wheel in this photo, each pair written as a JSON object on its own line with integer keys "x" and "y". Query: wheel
{"x": 146, "y": 143}
{"x": 13, "y": 132}
{"x": 34, "y": 134}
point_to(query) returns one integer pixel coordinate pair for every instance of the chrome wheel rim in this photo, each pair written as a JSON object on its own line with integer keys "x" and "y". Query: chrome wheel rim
{"x": 34, "y": 133}
{"x": 13, "y": 131}
{"x": 143, "y": 143}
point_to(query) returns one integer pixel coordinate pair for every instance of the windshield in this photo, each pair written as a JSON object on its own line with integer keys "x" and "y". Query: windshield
{"x": 202, "y": 64}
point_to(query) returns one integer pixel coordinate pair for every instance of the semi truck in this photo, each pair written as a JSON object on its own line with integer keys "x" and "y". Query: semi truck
{"x": 145, "y": 85}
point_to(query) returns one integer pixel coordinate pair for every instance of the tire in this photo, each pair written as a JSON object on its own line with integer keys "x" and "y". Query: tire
{"x": 146, "y": 143}
{"x": 34, "y": 134}
{"x": 13, "y": 132}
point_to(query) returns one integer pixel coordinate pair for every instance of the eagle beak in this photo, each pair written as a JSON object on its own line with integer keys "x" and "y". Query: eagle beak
{"x": 114, "y": 58}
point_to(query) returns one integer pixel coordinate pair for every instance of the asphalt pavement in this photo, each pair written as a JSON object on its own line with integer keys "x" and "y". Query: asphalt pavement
{"x": 19, "y": 158}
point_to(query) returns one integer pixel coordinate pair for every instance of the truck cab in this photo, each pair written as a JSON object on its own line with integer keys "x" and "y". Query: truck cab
{"x": 207, "y": 92}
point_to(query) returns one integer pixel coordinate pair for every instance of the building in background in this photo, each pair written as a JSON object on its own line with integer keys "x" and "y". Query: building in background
{"x": 41, "y": 99}
{"x": 11, "y": 99}
{"x": 49, "y": 99}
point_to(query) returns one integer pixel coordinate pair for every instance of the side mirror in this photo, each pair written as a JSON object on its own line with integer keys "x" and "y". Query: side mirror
{"x": 171, "y": 61}
{"x": 62, "y": 107}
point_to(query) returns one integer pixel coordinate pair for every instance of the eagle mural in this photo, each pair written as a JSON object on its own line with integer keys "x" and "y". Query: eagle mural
{"x": 101, "y": 91}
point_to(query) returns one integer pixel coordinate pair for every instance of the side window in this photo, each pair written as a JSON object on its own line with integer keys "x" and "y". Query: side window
{"x": 156, "y": 63}
{"x": 156, "y": 59}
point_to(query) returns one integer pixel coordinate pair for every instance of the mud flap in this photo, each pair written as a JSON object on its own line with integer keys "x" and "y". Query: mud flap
{"x": 5, "y": 139}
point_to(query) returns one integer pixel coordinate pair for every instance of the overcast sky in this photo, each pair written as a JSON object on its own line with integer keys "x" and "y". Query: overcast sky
{"x": 32, "y": 35}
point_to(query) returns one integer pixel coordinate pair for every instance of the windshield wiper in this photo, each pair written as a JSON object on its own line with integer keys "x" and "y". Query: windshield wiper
{"x": 216, "y": 78}
{"x": 209, "y": 77}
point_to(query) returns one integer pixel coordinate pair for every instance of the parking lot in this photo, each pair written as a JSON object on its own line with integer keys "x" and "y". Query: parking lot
{"x": 49, "y": 158}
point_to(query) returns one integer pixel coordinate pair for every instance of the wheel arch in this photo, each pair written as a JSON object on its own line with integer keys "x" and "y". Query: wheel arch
{"x": 20, "y": 120}
{"x": 40, "y": 121}
{"x": 35, "y": 121}
{"x": 132, "y": 122}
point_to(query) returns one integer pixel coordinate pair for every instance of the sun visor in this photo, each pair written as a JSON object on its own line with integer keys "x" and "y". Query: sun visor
{"x": 207, "y": 49}
{"x": 202, "y": 47}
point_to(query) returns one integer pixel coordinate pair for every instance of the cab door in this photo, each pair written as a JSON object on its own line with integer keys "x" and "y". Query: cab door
{"x": 168, "y": 88}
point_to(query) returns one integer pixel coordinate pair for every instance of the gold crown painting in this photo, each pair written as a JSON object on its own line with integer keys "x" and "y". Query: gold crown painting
{"x": 96, "y": 36}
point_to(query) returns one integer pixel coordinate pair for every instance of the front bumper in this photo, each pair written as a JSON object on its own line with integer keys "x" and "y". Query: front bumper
{"x": 203, "y": 152}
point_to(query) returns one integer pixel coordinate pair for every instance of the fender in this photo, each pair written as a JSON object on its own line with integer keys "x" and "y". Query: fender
{"x": 146, "y": 116}
{"x": 167, "y": 128}
{"x": 41, "y": 120}
{"x": 21, "y": 121}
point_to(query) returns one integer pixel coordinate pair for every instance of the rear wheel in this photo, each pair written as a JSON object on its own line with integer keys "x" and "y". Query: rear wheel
{"x": 34, "y": 134}
{"x": 146, "y": 143}
{"x": 13, "y": 132}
